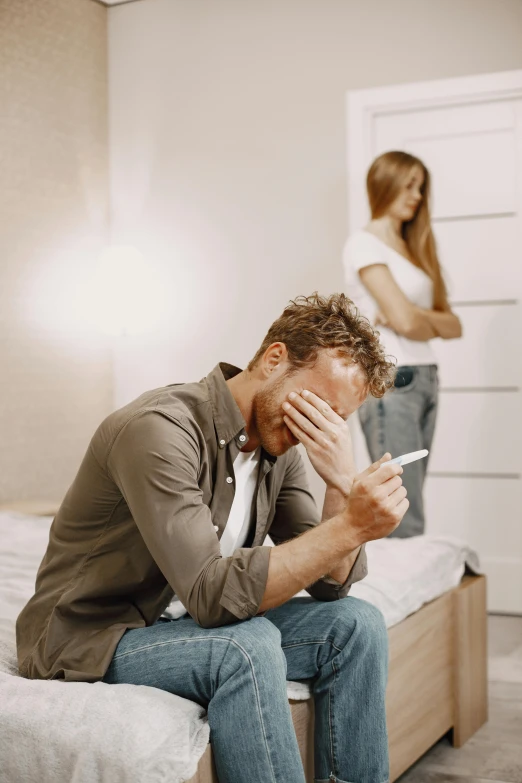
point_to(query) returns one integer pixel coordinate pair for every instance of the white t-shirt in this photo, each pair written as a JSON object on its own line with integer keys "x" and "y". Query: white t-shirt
{"x": 364, "y": 249}
{"x": 246, "y": 470}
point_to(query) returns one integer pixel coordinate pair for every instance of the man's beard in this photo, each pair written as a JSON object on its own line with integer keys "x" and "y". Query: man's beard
{"x": 268, "y": 419}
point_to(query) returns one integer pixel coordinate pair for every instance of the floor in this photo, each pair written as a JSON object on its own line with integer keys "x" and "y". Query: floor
{"x": 494, "y": 753}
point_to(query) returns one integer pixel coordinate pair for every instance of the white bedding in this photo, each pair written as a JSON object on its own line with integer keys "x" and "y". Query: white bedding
{"x": 53, "y": 732}
{"x": 406, "y": 573}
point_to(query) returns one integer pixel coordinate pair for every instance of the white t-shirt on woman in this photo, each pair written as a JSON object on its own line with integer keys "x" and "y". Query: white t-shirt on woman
{"x": 364, "y": 249}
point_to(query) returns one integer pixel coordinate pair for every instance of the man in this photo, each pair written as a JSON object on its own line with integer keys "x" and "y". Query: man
{"x": 166, "y": 518}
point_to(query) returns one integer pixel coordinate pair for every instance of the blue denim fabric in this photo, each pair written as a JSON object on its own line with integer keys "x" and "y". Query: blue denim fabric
{"x": 403, "y": 421}
{"x": 239, "y": 671}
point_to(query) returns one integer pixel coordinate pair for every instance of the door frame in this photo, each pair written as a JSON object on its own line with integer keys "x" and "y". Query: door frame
{"x": 362, "y": 106}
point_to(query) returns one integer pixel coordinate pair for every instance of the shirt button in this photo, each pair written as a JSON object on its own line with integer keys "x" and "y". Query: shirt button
{"x": 229, "y": 479}
{"x": 221, "y": 442}
{"x": 242, "y": 438}
{"x": 216, "y": 527}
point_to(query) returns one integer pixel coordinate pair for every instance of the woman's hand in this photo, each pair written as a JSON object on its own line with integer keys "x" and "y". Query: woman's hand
{"x": 325, "y": 436}
{"x": 445, "y": 323}
{"x": 381, "y": 320}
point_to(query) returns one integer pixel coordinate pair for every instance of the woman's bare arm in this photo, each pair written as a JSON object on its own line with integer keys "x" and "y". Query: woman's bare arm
{"x": 446, "y": 324}
{"x": 401, "y": 315}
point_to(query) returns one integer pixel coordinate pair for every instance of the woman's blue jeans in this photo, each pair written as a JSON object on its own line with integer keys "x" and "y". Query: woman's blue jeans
{"x": 239, "y": 672}
{"x": 403, "y": 421}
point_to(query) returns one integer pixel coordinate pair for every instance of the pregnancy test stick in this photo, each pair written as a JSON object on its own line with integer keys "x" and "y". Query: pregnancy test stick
{"x": 411, "y": 457}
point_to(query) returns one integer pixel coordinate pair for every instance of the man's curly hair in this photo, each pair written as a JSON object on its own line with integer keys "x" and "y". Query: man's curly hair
{"x": 310, "y": 323}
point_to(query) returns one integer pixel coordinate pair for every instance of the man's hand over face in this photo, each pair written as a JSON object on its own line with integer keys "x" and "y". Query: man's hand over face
{"x": 325, "y": 436}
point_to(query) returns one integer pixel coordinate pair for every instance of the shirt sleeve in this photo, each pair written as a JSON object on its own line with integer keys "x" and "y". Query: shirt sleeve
{"x": 362, "y": 250}
{"x": 155, "y": 462}
{"x": 296, "y": 512}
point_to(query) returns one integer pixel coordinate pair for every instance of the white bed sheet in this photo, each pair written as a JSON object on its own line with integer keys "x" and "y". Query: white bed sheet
{"x": 403, "y": 575}
{"x": 55, "y": 732}
{"x": 406, "y": 573}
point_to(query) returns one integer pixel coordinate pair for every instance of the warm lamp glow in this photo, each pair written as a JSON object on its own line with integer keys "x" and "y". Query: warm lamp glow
{"x": 128, "y": 297}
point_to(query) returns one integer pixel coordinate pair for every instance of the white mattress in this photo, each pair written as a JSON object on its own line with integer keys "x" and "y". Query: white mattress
{"x": 405, "y": 573}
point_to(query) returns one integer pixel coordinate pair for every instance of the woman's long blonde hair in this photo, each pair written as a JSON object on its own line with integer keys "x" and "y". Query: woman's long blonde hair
{"x": 387, "y": 174}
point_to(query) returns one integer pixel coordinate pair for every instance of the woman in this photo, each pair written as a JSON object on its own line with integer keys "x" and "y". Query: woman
{"x": 394, "y": 277}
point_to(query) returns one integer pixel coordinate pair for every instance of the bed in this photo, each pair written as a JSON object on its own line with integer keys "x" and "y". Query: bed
{"x": 430, "y": 591}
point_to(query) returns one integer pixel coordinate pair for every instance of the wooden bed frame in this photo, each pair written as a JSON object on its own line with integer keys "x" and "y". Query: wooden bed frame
{"x": 437, "y": 678}
{"x": 437, "y": 682}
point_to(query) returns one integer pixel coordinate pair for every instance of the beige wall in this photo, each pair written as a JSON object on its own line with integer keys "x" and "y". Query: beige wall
{"x": 227, "y": 169}
{"x": 228, "y": 148}
{"x": 55, "y": 370}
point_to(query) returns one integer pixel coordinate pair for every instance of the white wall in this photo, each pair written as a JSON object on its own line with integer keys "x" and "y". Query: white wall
{"x": 227, "y": 144}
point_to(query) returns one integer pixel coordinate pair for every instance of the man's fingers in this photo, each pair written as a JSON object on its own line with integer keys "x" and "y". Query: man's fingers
{"x": 402, "y": 508}
{"x": 397, "y": 495}
{"x": 310, "y": 412}
{"x": 376, "y": 465}
{"x": 322, "y": 406}
{"x": 384, "y": 472}
{"x": 302, "y": 421}
{"x": 392, "y": 485}
{"x": 300, "y": 434}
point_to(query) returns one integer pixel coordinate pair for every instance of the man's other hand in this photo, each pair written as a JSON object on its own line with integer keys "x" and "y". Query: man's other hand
{"x": 377, "y": 501}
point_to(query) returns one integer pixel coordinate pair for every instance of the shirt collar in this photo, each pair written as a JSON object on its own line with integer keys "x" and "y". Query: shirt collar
{"x": 228, "y": 419}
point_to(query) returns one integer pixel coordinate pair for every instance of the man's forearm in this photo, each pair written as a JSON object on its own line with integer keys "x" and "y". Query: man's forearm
{"x": 334, "y": 502}
{"x": 377, "y": 503}
{"x": 341, "y": 572}
{"x": 298, "y": 563}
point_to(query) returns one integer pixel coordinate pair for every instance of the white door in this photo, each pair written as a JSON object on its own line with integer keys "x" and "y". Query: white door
{"x": 469, "y": 133}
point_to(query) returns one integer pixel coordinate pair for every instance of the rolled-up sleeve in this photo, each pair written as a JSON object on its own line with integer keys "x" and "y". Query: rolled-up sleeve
{"x": 155, "y": 462}
{"x": 296, "y": 512}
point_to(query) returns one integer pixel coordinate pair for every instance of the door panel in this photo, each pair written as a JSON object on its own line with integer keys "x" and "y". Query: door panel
{"x": 480, "y": 258}
{"x": 391, "y": 128}
{"x": 481, "y": 511}
{"x": 475, "y": 433}
{"x": 489, "y": 353}
{"x": 462, "y": 165}
{"x": 469, "y": 151}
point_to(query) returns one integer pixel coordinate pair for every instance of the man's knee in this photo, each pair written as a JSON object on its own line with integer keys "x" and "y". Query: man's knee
{"x": 256, "y": 643}
{"x": 262, "y": 636}
{"x": 362, "y": 623}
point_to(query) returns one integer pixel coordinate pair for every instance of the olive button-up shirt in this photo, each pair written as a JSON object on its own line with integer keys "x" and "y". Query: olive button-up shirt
{"x": 143, "y": 519}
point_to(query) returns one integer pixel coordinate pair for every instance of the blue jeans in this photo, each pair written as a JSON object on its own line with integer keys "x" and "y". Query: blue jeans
{"x": 239, "y": 672}
{"x": 403, "y": 421}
